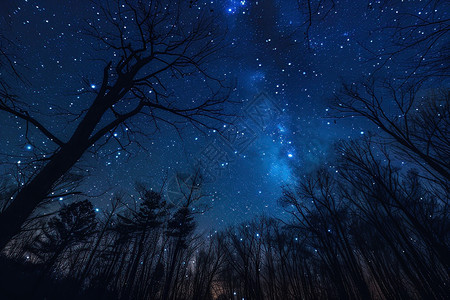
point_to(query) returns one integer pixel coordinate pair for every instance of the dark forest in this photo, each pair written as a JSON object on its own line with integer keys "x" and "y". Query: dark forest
{"x": 266, "y": 149}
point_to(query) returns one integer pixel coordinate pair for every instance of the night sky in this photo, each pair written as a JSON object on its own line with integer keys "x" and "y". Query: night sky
{"x": 268, "y": 55}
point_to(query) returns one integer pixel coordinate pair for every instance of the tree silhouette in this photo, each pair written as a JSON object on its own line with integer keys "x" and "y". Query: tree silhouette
{"x": 418, "y": 126}
{"x": 141, "y": 224}
{"x": 180, "y": 229}
{"x": 163, "y": 43}
{"x": 73, "y": 225}
{"x": 372, "y": 223}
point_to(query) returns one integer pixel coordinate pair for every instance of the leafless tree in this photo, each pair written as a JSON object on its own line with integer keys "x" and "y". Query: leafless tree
{"x": 148, "y": 45}
{"x": 419, "y": 40}
{"x": 416, "y": 124}
{"x": 314, "y": 11}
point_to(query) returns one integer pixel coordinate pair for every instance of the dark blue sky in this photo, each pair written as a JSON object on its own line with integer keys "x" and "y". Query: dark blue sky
{"x": 267, "y": 53}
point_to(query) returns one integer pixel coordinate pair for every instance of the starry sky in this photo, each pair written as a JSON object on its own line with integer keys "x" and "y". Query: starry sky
{"x": 268, "y": 55}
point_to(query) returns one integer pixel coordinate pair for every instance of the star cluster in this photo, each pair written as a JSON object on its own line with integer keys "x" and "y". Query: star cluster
{"x": 268, "y": 52}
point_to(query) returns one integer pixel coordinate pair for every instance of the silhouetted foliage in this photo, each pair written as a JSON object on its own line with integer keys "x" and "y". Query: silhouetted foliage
{"x": 372, "y": 223}
{"x": 73, "y": 225}
{"x": 151, "y": 50}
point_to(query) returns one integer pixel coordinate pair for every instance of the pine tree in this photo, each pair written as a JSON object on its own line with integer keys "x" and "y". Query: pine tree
{"x": 73, "y": 225}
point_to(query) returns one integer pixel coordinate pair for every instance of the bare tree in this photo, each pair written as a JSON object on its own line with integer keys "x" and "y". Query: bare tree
{"x": 418, "y": 125}
{"x": 403, "y": 209}
{"x": 314, "y": 11}
{"x": 149, "y": 45}
{"x": 419, "y": 40}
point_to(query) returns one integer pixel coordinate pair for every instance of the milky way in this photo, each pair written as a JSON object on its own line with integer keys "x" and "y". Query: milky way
{"x": 271, "y": 53}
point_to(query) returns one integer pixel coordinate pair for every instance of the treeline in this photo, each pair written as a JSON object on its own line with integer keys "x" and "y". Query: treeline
{"x": 372, "y": 225}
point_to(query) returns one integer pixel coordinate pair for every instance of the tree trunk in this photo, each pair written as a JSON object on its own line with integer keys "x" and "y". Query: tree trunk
{"x": 33, "y": 193}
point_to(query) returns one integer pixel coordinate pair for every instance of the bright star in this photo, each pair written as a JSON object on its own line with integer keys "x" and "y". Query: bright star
{"x": 93, "y": 86}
